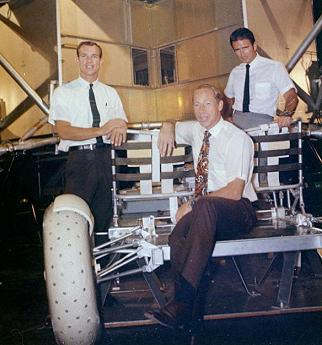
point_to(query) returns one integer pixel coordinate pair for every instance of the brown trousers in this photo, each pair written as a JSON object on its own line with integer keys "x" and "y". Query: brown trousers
{"x": 193, "y": 238}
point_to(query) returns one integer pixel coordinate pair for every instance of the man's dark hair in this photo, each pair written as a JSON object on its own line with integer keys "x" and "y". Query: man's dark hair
{"x": 242, "y": 34}
{"x": 91, "y": 44}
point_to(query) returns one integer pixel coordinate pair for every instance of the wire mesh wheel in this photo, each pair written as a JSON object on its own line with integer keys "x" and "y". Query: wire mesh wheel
{"x": 70, "y": 283}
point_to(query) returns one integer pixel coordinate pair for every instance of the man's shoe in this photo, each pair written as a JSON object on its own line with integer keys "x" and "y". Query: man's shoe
{"x": 173, "y": 315}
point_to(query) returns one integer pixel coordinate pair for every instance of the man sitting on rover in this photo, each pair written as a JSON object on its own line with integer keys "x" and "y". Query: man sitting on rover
{"x": 223, "y": 156}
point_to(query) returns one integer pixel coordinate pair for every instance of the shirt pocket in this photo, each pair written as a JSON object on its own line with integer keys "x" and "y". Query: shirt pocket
{"x": 263, "y": 90}
{"x": 108, "y": 112}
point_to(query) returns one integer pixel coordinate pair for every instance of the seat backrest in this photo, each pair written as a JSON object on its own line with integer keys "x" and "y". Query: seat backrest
{"x": 140, "y": 173}
{"x": 277, "y": 168}
{"x": 278, "y": 163}
{"x": 139, "y": 161}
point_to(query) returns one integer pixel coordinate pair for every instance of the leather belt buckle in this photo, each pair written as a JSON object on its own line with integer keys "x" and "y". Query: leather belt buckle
{"x": 89, "y": 147}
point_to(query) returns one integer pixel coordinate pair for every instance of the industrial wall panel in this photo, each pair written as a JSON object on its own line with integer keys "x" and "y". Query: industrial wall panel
{"x": 194, "y": 17}
{"x": 205, "y": 56}
{"x": 139, "y": 104}
{"x": 176, "y": 102}
{"x": 154, "y": 25}
{"x": 141, "y": 24}
{"x": 97, "y": 19}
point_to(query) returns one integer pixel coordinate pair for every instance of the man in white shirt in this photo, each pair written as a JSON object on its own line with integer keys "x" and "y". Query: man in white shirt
{"x": 254, "y": 99}
{"x": 223, "y": 209}
{"x": 88, "y": 116}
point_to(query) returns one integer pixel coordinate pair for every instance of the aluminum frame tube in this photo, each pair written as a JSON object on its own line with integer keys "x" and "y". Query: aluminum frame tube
{"x": 31, "y": 131}
{"x": 244, "y": 11}
{"x": 59, "y": 46}
{"x": 304, "y": 45}
{"x": 144, "y": 125}
{"x": 304, "y": 96}
{"x": 27, "y": 145}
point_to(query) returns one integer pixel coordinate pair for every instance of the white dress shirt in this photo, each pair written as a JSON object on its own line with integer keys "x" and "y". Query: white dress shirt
{"x": 231, "y": 153}
{"x": 70, "y": 103}
{"x": 267, "y": 80}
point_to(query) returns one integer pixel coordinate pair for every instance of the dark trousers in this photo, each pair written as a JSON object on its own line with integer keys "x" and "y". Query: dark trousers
{"x": 89, "y": 175}
{"x": 193, "y": 238}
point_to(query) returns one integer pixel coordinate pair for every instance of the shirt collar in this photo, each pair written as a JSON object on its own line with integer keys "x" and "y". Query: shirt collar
{"x": 214, "y": 131}
{"x": 255, "y": 61}
{"x": 85, "y": 84}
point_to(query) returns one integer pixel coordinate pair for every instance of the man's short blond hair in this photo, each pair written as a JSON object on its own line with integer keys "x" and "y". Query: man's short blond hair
{"x": 217, "y": 94}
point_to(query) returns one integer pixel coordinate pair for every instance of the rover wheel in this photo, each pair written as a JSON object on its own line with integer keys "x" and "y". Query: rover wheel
{"x": 70, "y": 282}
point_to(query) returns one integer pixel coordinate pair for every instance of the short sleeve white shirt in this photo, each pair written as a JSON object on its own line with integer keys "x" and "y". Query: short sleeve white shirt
{"x": 70, "y": 103}
{"x": 267, "y": 80}
{"x": 231, "y": 153}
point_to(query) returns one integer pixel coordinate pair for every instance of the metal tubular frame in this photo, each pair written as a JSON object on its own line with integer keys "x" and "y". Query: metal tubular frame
{"x": 151, "y": 250}
{"x": 24, "y": 85}
{"x": 28, "y": 145}
{"x": 59, "y": 45}
{"x": 314, "y": 104}
{"x": 317, "y": 27}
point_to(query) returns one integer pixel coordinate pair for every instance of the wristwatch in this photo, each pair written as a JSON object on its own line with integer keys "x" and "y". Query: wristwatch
{"x": 286, "y": 113}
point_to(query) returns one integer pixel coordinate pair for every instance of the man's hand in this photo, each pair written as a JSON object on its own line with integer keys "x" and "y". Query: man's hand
{"x": 166, "y": 139}
{"x": 227, "y": 110}
{"x": 283, "y": 121}
{"x": 115, "y": 130}
{"x": 183, "y": 210}
{"x": 291, "y": 101}
{"x": 109, "y": 126}
{"x": 118, "y": 136}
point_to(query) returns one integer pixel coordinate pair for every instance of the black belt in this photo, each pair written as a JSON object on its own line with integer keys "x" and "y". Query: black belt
{"x": 87, "y": 147}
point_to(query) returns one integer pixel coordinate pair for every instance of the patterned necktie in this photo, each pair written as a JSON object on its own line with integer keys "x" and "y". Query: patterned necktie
{"x": 95, "y": 113}
{"x": 201, "y": 182}
{"x": 246, "y": 91}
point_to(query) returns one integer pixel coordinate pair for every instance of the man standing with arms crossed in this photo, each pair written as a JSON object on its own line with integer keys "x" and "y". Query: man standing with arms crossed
{"x": 88, "y": 115}
{"x": 223, "y": 159}
{"x": 254, "y": 86}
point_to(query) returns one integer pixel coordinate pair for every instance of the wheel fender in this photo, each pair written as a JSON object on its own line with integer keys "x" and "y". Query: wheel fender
{"x": 71, "y": 202}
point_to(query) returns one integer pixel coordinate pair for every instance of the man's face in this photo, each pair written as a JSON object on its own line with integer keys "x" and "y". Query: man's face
{"x": 245, "y": 50}
{"x": 206, "y": 108}
{"x": 89, "y": 62}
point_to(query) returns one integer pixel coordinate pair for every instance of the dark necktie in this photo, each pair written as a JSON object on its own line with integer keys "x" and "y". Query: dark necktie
{"x": 246, "y": 91}
{"x": 95, "y": 113}
{"x": 201, "y": 182}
